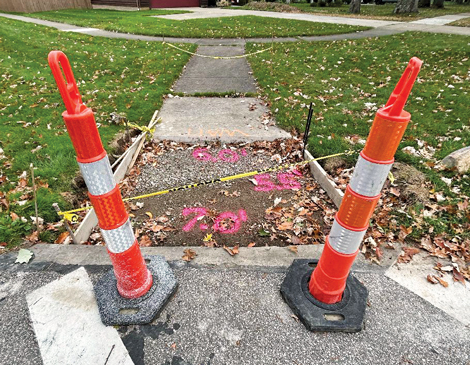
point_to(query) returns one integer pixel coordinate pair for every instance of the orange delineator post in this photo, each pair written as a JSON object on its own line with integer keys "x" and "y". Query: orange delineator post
{"x": 132, "y": 275}
{"x": 328, "y": 280}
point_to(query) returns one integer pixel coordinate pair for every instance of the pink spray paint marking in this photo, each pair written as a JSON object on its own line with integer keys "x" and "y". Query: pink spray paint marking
{"x": 202, "y": 154}
{"x": 236, "y": 219}
{"x": 219, "y": 225}
{"x": 225, "y": 155}
{"x": 287, "y": 181}
{"x": 228, "y": 156}
{"x": 200, "y": 212}
{"x": 264, "y": 183}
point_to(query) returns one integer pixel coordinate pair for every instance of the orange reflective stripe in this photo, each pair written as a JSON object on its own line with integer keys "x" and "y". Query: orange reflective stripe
{"x": 355, "y": 210}
{"x": 110, "y": 209}
{"x": 384, "y": 138}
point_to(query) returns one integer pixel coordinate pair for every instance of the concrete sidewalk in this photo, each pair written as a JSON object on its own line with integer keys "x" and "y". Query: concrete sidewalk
{"x": 379, "y": 29}
{"x": 229, "y": 311}
{"x": 203, "y": 13}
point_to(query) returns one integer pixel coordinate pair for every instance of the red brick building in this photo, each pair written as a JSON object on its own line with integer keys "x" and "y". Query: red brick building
{"x": 155, "y": 4}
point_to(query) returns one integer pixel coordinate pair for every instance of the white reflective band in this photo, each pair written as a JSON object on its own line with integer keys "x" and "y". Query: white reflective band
{"x": 343, "y": 240}
{"x": 98, "y": 176}
{"x": 369, "y": 178}
{"x": 120, "y": 239}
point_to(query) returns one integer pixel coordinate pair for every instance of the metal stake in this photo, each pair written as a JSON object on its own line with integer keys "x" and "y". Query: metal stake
{"x": 307, "y": 127}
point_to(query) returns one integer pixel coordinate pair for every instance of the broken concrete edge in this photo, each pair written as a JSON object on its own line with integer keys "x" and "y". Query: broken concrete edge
{"x": 248, "y": 257}
{"x": 324, "y": 180}
{"x": 128, "y": 159}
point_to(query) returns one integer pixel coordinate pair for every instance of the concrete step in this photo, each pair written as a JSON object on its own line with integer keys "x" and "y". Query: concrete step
{"x": 228, "y": 120}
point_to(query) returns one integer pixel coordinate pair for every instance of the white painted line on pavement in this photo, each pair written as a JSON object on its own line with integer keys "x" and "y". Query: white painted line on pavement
{"x": 454, "y": 300}
{"x": 68, "y": 327}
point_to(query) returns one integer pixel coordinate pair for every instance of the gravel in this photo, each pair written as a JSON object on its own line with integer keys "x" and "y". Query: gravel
{"x": 179, "y": 167}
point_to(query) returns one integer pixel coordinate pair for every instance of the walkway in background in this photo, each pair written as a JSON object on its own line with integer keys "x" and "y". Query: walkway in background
{"x": 380, "y": 28}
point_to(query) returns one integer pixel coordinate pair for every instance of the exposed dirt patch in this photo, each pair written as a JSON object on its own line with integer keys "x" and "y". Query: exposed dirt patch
{"x": 234, "y": 214}
{"x": 411, "y": 182}
{"x": 333, "y": 164}
{"x": 279, "y": 208}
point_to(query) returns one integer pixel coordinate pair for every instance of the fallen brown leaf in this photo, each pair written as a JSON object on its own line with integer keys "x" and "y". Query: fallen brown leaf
{"x": 432, "y": 279}
{"x": 145, "y": 241}
{"x": 293, "y": 249}
{"x": 285, "y": 226}
{"x": 62, "y": 237}
{"x": 444, "y": 283}
{"x": 232, "y": 251}
{"x": 189, "y": 254}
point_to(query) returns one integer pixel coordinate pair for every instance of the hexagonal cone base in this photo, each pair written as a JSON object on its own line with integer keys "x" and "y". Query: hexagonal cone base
{"x": 344, "y": 316}
{"x": 116, "y": 310}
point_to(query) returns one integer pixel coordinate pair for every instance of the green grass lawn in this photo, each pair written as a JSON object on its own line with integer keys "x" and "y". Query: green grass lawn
{"x": 231, "y": 27}
{"x": 348, "y": 80}
{"x": 113, "y": 75}
{"x": 462, "y": 23}
{"x": 383, "y": 12}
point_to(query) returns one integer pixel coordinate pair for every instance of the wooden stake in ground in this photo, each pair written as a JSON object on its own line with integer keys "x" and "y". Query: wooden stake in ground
{"x": 35, "y": 199}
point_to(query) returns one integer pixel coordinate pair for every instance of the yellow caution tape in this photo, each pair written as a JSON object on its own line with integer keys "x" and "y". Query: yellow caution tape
{"x": 68, "y": 215}
{"x": 218, "y": 57}
{"x": 142, "y": 127}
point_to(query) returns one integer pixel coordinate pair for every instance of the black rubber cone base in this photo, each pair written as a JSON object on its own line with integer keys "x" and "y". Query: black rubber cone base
{"x": 116, "y": 310}
{"x": 345, "y": 316}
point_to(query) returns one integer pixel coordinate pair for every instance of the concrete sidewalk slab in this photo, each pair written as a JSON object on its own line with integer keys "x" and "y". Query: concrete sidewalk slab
{"x": 217, "y": 75}
{"x": 442, "y": 20}
{"x": 267, "y": 257}
{"x": 65, "y": 318}
{"x": 227, "y": 120}
{"x": 421, "y": 27}
{"x": 454, "y": 300}
{"x": 203, "y": 13}
{"x": 241, "y": 319}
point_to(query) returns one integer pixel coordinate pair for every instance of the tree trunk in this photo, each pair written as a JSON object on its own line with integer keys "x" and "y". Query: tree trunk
{"x": 406, "y": 6}
{"x": 439, "y": 4}
{"x": 424, "y": 3}
{"x": 355, "y": 7}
